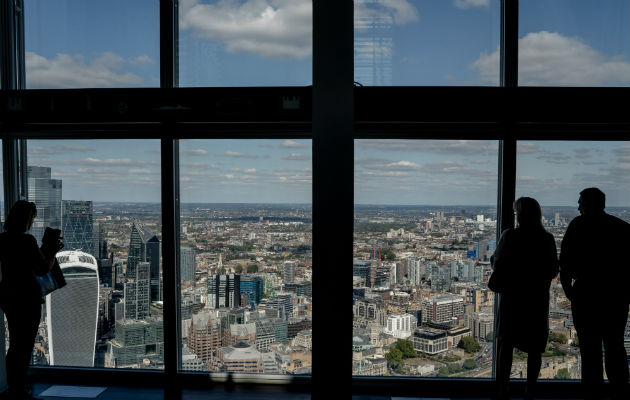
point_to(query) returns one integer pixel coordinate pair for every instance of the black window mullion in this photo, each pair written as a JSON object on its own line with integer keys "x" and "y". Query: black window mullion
{"x": 168, "y": 44}
{"x": 333, "y": 151}
{"x": 507, "y": 146}
{"x": 170, "y": 199}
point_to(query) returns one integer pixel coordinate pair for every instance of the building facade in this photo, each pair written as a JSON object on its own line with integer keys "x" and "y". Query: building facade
{"x": 72, "y": 312}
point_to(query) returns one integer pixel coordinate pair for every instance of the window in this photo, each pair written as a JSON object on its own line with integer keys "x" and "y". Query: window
{"x": 411, "y": 181}
{"x": 554, "y": 173}
{"x": 245, "y": 43}
{"x": 245, "y": 256}
{"x": 78, "y": 44}
{"x": 425, "y": 228}
{"x": 105, "y": 197}
{"x": 426, "y": 42}
{"x": 574, "y": 43}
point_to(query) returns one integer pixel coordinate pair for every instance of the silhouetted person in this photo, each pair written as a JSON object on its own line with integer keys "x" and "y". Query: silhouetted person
{"x": 594, "y": 274}
{"x": 524, "y": 263}
{"x": 20, "y": 299}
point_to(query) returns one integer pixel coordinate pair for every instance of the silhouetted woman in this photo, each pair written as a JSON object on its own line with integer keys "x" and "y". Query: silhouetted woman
{"x": 524, "y": 263}
{"x": 20, "y": 299}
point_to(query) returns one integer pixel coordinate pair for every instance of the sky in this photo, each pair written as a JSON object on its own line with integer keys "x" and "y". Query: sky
{"x": 115, "y": 43}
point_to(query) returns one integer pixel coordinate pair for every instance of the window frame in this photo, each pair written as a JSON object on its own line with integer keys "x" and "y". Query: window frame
{"x": 332, "y": 114}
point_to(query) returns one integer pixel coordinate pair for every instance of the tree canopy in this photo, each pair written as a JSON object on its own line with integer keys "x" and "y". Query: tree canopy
{"x": 469, "y": 344}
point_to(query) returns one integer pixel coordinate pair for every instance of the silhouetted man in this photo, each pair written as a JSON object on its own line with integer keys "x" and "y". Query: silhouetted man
{"x": 594, "y": 273}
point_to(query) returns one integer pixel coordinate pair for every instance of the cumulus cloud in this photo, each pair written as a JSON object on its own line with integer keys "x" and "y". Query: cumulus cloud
{"x": 236, "y": 154}
{"x": 529, "y": 148}
{"x": 277, "y": 29}
{"x": 67, "y": 71}
{"x": 552, "y": 59}
{"x": 194, "y": 152}
{"x": 292, "y": 144}
{"x": 297, "y": 157}
{"x": 471, "y": 3}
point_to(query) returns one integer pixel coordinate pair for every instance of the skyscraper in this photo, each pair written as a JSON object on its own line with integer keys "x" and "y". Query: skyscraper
{"x": 137, "y": 293}
{"x": 144, "y": 246}
{"x": 46, "y": 194}
{"x": 253, "y": 287}
{"x": 224, "y": 291}
{"x": 78, "y": 226}
{"x": 72, "y": 311}
{"x": 187, "y": 262}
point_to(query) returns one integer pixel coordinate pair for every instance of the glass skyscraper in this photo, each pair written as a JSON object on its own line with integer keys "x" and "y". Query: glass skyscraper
{"x": 78, "y": 226}
{"x": 72, "y": 311}
{"x": 144, "y": 246}
{"x": 45, "y": 192}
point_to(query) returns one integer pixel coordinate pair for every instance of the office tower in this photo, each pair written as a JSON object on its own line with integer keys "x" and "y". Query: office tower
{"x": 106, "y": 271}
{"x": 136, "y": 341}
{"x": 289, "y": 271}
{"x": 300, "y": 289}
{"x": 137, "y": 293}
{"x": 46, "y": 194}
{"x": 442, "y": 309}
{"x": 78, "y": 227}
{"x": 284, "y": 303}
{"x": 187, "y": 262}
{"x": 144, "y": 246}
{"x": 224, "y": 291}
{"x": 72, "y": 312}
{"x": 204, "y": 335}
{"x": 362, "y": 269}
{"x": 252, "y": 286}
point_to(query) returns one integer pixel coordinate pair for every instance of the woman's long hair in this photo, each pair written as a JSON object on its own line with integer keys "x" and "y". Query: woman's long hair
{"x": 21, "y": 216}
{"x": 528, "y": 213}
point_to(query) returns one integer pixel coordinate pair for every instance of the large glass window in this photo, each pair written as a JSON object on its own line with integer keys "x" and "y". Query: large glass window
{"x": 426, "y": 42}
{"x": 105, "y": 197}
{"x": 245, "y": 42}
{"x": 425, "y": 228}
{"x": 245, "y": 256}
{"x": 574, "y": 43}
{"x": 92, "y": 44}
{"x": 554, "y": 173}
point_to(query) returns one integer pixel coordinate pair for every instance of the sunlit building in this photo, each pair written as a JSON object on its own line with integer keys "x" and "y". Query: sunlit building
{"x": 72, "y": 312}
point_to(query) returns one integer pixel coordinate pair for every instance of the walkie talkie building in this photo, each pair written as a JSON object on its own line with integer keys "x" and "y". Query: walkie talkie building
{"x": 72, "y": 311}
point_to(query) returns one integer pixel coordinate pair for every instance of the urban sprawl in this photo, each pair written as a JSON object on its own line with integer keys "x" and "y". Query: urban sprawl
{"x": 421, "y": 304}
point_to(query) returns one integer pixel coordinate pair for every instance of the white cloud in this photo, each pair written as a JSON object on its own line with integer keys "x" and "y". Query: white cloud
{"x": 552, "y": 59}
{"x": 276, "y": 29}
{"x": 195, "y": 152}
{"x": 297, "y": 157}
{"x": 471, "y": 3}
{"x": 143, "y": 59}
{"x": 66, "y": 71}
{"x": 237, "y": 154}
{"x": 292, "y": 144}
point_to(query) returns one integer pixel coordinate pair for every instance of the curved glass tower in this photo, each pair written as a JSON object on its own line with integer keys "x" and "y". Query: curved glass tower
{"x": 72, "y": 311}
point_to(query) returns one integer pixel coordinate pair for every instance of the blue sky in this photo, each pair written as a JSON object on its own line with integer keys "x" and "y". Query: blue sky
{"x": 81, "y": 43}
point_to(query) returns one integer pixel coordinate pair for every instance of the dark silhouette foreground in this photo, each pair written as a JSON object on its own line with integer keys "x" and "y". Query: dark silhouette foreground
{"x": 524, "y": 263}
{"x": 594, "y": 273}
{"x": 20, "y": 297}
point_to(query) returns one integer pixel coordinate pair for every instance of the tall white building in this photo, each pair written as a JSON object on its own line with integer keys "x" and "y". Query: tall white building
{"x": 72, "y": 311}
{"x": 399, "y": 326}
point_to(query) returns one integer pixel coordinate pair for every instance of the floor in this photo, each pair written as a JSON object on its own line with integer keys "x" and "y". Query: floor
{"x": 139, "y": 393}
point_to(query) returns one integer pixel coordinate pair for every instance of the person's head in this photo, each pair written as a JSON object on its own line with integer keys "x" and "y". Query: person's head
{"x": 528, "y": 213}
{"x": 592, "y": 200}
{"x": 20, "y": 216}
